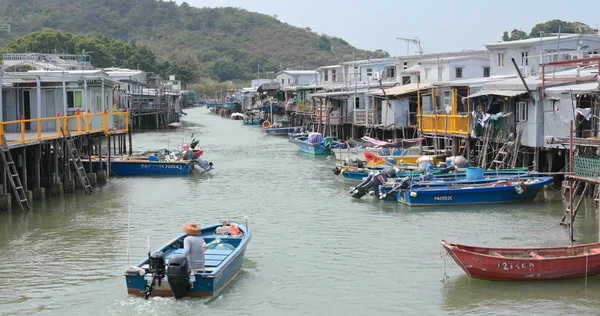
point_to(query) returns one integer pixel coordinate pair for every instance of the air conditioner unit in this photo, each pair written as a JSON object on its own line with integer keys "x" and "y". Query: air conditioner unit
{"x": 376, "y": 75}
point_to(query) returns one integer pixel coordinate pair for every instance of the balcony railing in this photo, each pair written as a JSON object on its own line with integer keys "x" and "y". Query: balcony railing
{"x": 31, "y": 130}
{"x": 444, "y": 123}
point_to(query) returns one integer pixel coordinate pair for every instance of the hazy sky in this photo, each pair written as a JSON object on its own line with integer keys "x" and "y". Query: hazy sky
{"x": 441, "y": 25}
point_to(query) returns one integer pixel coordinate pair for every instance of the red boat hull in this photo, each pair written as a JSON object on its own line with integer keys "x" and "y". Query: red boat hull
{"x": 526, "y": 264}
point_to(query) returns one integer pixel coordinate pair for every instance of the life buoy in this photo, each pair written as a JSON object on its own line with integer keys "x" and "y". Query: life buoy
{"x": 266, "y": 124}
{"x": 501, "y": 183}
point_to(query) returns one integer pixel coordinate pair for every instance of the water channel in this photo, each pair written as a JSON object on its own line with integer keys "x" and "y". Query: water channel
{"x": 315, "y": 250}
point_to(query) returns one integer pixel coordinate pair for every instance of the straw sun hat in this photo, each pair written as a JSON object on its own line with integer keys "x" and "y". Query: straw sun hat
{"x": 191, "y": 229}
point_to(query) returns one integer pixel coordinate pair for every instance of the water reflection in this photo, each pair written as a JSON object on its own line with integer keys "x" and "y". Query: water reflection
{"x": 464, "y": 295}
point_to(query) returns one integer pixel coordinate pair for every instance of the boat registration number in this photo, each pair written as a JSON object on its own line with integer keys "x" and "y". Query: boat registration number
{"x": 162, "y": 166}
{"x": 443, "y": 198}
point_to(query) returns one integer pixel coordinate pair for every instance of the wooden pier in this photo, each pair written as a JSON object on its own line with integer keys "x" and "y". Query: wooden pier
{"x": 46, "y": 159}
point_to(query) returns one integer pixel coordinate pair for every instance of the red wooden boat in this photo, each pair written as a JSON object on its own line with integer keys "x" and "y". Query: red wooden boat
{"x": 526, "y": 264}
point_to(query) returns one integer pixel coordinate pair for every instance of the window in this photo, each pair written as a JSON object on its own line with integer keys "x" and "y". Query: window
{"x": 486, "y": 71}
{"x": 289, "y": 80}
{"x": 521, "y": 111}
{"x": 74, "y": 99}
{"x": 405, "y": 80}
{"x": 369, "y": 72}
{"x": 405, "y": 65}
{"x": 524, "y": 59}
{"x": 458, "y": 72}
{"x": 426, "y": 73}
{"x": 282, "y": 81}
{"x": 98, "y": 99}
{"x": 447, "y": 98}
{"x": 555, "y": 104}
{"x": 333, "y": 75}
{"x": 356, "y": 102}
{"x": 500, "y": 60}
{"x": 390, "y": 72}
{"x": 326, "y": 75}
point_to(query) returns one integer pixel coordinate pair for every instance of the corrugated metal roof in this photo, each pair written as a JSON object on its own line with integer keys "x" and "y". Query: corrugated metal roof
{"x": 504, "y": 93}
{"x": 405, "y": 89}
{"x": 473, "y": 82}
{"x": 338, "y": 93}
{"x": 298, "y": 72}
{"x": 533, "y": 41}
{"x": 588, "y": 87}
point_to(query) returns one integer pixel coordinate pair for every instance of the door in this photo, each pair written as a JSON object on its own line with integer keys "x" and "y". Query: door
{"x": 50, "y": 126}
{"x": 27, "y": 108}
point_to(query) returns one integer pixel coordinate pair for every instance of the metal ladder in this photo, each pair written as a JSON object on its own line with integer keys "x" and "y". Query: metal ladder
{"x": 13, "y": 176}
{"x": 72, "y": 153}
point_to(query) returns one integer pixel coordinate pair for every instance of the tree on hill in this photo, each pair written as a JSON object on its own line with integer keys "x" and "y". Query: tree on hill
{"x": 549, "y": 28}
{"x": 206, "y": 37}
{"x": 105, "y": 52}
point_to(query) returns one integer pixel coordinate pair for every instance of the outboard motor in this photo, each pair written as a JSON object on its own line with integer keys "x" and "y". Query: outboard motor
{"x": 357, "y": 163}
{"x": 178, "y": 275}
{"x": 372, "y": 182}
{"x": 401, "y": 184}
{"x": 156, "y": 263}
{"x": 205, "y": 165}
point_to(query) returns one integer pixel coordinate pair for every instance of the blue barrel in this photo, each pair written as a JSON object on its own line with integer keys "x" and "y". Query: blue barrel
{"x": 474, "y": 173}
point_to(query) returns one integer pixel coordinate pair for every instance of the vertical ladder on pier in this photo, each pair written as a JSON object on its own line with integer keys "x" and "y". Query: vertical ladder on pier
{"x": 13, "y": 176}
{"x": 72, "y": 153}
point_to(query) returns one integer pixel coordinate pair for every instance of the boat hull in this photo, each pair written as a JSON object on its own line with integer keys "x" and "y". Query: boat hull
{"x": 553, "y": 263}
{"x": 310, "y": 148}
{"x": 470, "y": 195}
{"x": 141, "y": 167}
{"x": 283, "y": 131}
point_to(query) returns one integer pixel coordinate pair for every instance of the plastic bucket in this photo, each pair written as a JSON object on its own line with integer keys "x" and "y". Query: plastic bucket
{"x": 474, "y": 173}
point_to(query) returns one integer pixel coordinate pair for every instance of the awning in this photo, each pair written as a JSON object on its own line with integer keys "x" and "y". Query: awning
{"x": 503, "y": 93}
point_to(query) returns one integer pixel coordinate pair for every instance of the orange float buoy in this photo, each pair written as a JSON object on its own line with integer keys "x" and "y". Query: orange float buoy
{"x": 266, "y": 124}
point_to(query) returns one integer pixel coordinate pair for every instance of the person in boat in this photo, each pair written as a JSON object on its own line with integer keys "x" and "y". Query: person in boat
{"x": 194, "y": 246}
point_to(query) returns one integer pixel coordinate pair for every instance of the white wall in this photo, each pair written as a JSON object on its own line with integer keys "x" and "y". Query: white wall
{"x": 472, "y": 68}
{"x": 288, "y": 80}
{"x": 533, "y": 50}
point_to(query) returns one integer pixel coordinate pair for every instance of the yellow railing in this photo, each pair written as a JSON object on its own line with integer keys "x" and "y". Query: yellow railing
{"x": 444, "y": 123}
{"x": 29, "y": 130}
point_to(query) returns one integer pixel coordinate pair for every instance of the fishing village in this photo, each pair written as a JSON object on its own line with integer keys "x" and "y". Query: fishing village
{"x": 457, "y": 182}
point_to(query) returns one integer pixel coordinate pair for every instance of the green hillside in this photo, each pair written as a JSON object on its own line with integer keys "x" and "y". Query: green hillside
{"x": 222, "y": 43}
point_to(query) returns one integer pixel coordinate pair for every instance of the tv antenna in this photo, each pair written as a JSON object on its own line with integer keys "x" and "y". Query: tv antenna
{"x": 415, "y": 41}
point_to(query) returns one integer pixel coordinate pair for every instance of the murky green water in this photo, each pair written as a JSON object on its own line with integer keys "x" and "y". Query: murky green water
{"x": 315, "y": 251}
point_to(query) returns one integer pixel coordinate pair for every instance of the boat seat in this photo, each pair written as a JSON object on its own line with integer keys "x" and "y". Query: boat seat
{"x": 535, "y": 255}
{"x": 594, "y": 251}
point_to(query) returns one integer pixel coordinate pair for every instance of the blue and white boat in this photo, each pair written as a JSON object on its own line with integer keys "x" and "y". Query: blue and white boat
{"x": 146, "y": 167}
{"x": 284, "y": 131}
{"x": 501, "y": 191}
{"x": 358, "y": 174}
{"x": 231, "y": 105}
{"x": 166, "y": 273}
{"x": 311, "y": 144}
{"x": 249, "y": 121}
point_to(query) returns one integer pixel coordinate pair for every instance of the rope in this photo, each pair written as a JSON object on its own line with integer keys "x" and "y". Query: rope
{"x": 586, "y": 268}
{"x": 444, "y": 256}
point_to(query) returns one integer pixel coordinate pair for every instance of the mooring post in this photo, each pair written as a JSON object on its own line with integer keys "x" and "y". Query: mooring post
{"x": 108, "y": 161}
